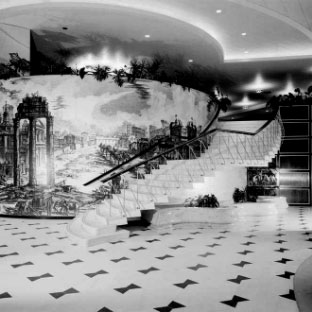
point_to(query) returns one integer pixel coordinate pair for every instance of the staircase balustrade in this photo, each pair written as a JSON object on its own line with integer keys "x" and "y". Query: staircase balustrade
{"x": 171, "y": 171}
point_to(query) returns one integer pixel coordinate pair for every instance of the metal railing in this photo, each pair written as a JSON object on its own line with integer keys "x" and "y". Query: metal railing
{"x": 188, "y": 163}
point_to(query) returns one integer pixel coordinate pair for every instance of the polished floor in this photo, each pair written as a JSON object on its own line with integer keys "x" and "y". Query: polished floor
{"x": 244, "y": 266}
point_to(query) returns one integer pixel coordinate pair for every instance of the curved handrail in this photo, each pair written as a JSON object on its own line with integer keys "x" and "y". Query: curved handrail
{"x": 205, "y": 132}
{"x": 144, "y": 152}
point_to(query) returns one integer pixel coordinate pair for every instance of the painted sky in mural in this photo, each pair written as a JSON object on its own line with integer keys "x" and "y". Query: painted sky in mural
{"x": 101, "y": 107}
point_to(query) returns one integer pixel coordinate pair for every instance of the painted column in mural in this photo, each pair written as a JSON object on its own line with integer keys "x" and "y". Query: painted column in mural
{"x": 32, "y": 151}
{"x": 50, "y": 152}
{"x": 16, "y": 160}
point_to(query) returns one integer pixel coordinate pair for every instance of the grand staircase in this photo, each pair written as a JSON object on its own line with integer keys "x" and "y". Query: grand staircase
{"x": 225, "y": 152}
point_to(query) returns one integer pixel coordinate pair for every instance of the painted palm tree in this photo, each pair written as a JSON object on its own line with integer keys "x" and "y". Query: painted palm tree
{"x": 101, "y": 73}
{"x": 119, "y": 76}
{"x": 18, "y": 64}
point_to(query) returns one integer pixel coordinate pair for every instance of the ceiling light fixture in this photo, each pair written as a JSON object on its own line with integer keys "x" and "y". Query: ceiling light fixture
{"x": 258, "y": 85}
{"x": 246, "y": 52}
{"x": 289, "y": 88}
{"x": 244, "y": 34}
{"x": 147, "y": 36}
{"x": 245, "y": 102}
{"x": 190, "y": 61}
{"x": 218, "y": 11}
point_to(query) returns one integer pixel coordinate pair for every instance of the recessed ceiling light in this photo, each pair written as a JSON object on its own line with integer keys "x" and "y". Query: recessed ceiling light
{"x": 218, "y": 11}
{"x": 147, "y": 36}
{"x": 246, "y": 52}
{"x": 190, "y": 61}
{"x": 244, "y": 34}
{"x": 258, "y": 84}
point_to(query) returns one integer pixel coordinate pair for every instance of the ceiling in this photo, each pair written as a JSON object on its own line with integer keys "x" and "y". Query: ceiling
{"x": 263, "y": 45}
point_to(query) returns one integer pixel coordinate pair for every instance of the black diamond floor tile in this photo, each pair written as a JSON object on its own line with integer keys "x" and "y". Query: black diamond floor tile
{"x": 280, "y": 234}
{"x": 123, "y": 290}
{"x": 151, "y": 269}
{"x": 213, "y": 245}
{"x": 21, "y": 264}
{"x": 139, "y": 248}
{"x": 54, "y": 252}
{"x": 197, "y": 267}
{"x": 290, "y": 295}
{"x": 234, "y": 301}
{"x": 176, "y": 247}
{"x": 153, "y": 240}
{"x": 281, "y": 250}
{"x": 172, "y": 305}
{"x": 286, "y": 275}
{"x": 238, "y": 279}
{"x": 164, "y": 257}
{"x": 28, "y": 238}
{"x": 245, "y": 252}
{"x": 62, "y": 237}
{"x": 104, "y": 309}
{"x": 206, "y": 254}
{"x": 9, "y": 254}
{"x": 248, "y": 243}
{"x": 35, "y": 278}
{"x": 72, "y": 262}
{"x": 5, "y": 295}
{"x": 280, "y": 241}
{"x": 220, "y": 237}
{"x": 242, "y": 263}
{"x": 39, "y": 245}
{"x": 96, "y": 273}
{"x": 283, "y": 260}
{"x": 185, "y": 283}
{"x": 97, "y": 250}
{"x": 18, "y": 233}
{"x": 251, "y": 236}
{"x": 60, "y": 294}
{"x": 133, "y": 235}
{"x": 120, "y": 259}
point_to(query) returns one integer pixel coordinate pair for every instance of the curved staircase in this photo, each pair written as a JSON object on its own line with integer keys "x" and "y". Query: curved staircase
{"x": 233, "y": 147}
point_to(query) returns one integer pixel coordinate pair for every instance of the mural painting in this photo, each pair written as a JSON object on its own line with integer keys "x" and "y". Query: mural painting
{"x": 59, "y": 132}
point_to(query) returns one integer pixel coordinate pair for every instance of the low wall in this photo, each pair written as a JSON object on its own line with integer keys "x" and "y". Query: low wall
{"x": 189, "y": 215}
{"x": 174, "y": 213}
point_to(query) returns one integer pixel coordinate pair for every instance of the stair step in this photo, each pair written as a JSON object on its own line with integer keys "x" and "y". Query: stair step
{"x": 78, "y": 234}
{"x": 95, "y": 224}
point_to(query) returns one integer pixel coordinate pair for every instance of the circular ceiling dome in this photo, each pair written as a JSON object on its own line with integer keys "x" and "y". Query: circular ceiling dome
{"x": 92, "y": 28}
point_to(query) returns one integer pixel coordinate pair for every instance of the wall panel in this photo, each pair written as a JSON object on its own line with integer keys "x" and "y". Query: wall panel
{"x": 294, "y": 159}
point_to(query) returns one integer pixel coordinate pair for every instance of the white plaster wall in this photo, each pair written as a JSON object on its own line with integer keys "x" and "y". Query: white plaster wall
{"x": 222, "y": 184}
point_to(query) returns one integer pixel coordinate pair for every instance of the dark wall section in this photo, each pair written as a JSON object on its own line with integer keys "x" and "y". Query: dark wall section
{"x": 294, "y": 159}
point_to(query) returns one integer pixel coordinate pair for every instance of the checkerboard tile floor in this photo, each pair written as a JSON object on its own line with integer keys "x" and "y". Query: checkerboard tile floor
{"x": 245, "y": 266}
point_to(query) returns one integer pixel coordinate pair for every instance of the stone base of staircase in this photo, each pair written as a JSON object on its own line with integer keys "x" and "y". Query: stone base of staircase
{"x": 175, "y": 213}
{"x": 80, "y": 235}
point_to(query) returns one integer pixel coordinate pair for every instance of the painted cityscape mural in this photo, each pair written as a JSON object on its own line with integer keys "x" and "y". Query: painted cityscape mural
{"x": 59, "y": 132}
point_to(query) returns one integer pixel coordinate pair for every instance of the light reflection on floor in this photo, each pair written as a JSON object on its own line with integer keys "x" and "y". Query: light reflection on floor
{"x": 244, "y": 266}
